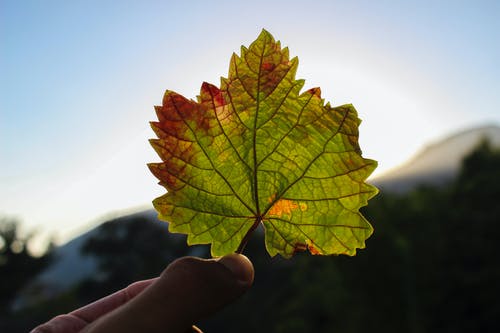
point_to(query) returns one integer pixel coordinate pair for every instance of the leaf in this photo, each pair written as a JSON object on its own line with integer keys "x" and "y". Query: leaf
{"x": 258, "y": 151}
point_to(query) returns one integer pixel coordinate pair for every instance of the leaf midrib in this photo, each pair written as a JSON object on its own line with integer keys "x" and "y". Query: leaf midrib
{"x": 254, "y": 147}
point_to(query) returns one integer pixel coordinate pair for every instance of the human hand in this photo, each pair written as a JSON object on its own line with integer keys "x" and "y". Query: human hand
{"x": 189, "y": 289}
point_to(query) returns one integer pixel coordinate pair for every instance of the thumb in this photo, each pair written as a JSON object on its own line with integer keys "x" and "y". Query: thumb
{"x": 189, "y": 289}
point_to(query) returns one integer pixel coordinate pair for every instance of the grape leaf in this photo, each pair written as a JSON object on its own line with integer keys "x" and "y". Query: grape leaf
{"x": 258, "y": 151}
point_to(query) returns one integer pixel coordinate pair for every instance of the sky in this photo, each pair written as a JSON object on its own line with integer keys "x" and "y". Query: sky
{"x": 79, "y": 80}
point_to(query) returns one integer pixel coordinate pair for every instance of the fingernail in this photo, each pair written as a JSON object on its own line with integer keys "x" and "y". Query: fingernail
{"x": 240, "y": 266}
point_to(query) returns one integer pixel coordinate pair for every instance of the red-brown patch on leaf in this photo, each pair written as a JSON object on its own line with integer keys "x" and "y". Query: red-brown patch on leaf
{"x": 312, "y": 249}
{"x": 299, "y": 247}
{"x": 169, "y": 148}
{"x": 175, "y": 157}
{"x": 268, "y": 66}
{"x": 316, "y": 92}
{"x": 176, "y": 116}
{"x": 177, "y": 108}
{"x": 274, "y": 67}
{"x": 216, "y": 100}
{"x": 271, "y": 78}
{"x": 165, "y": 175}
{"x": 175, "y": 139}
{"x": 169, "y": 123}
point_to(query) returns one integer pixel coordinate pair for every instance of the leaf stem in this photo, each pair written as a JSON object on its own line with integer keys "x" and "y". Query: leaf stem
{"x": 245, "y": 239}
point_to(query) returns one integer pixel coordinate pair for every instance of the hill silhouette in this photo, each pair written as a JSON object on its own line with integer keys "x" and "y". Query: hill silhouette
{"x": 437, "y": 163}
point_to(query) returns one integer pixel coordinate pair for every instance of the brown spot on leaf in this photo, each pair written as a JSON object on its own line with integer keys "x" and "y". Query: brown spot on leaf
{"x": 214, "y": 98}
{"x": 299, "y": 247}
{"x": 312, "y": 249}
{"x": 268, "y": 66}
{"x": 315, "y": 92}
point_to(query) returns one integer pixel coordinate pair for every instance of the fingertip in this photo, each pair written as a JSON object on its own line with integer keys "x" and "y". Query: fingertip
{"x": 240, "y": 266}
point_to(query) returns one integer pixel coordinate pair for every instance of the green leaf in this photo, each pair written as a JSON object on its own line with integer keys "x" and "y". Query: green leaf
{"x": 258, "y": 151}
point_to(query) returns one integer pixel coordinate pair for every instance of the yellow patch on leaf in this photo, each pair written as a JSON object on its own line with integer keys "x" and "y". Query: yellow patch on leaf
{"x": 285, "y": 207}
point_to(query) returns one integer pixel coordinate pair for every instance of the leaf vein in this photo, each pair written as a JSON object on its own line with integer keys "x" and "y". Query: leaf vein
{"x": 201, "y": 189}
{"x": 319, "y": 224}
{"x": 225, "y": 134}
{"x": 196, "y": 210}
{"x": 287, "y": 133}
{"x": 277, "y": 197}
{"x": 210, "y": 160}
{"x": 328, "y": 199}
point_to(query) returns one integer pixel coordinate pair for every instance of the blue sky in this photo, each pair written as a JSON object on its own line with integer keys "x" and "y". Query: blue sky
{"x": 79, "y": 80}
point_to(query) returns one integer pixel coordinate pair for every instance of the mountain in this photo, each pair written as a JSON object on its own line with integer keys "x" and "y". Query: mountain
{"x": 437, "y": 163}
{"x": 70, "y": 265}
{"x": 62, "y": 273}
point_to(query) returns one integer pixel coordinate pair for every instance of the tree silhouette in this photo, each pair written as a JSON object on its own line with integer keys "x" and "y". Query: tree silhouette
{"x": 17, "y": 265}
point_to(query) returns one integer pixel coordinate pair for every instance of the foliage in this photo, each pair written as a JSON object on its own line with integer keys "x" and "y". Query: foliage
{"x": 258, "y": 151}
{"x": 17, "y": 264}
{"x": 130, "y": 242}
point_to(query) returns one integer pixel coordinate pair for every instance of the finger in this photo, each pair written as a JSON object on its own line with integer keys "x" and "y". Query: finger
{"x": 91, "y": 312}
{"x": 78, "y": 319}
{"x": 61, "y": 324}
{"x": 188, "y": 290}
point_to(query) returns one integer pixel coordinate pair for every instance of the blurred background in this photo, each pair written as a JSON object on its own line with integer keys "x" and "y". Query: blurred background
{"x": 79, "y": 81}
